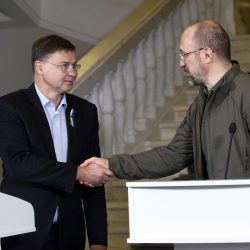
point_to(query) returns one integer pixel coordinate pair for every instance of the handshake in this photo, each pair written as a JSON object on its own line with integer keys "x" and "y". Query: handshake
{"x": 94, "y": 172}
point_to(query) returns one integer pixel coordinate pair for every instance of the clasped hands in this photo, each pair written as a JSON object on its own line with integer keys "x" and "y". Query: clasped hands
{"x": 94, "y": 172}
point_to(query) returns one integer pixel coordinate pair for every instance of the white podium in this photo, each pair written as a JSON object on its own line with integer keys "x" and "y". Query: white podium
{"x": 16, "y": 216}
{"x": 191, "y": 214}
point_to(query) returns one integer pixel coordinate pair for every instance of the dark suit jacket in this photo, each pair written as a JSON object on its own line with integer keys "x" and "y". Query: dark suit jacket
{"x": 31, "y": 171}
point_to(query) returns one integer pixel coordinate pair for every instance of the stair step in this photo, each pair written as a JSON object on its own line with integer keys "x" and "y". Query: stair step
{"x": 169, "y": 125}
{"x": 242, "y": 55}
{"x": 180, "y": 112}
{"x": 191, "y": 94}
{"x": 118, "y": 242}
{"x": 117, "y": 212}
{"x": 152, "y": 144}
{"x": 117, "y": 205}
{"x": 168, "y": 130}
{"x": 116, "y": 190}
{"x": 118, "y": 228}
{"x": 245, "y": 67}
{"x": 240, "y": 42}
{"x": 240, "y": 51}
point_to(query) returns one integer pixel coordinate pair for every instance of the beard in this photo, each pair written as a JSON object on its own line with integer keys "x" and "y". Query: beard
{"x": 195, "y": 79}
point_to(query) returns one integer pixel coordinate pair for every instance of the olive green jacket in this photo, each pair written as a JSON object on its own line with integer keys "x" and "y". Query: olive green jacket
{"x": 227, "y": 102}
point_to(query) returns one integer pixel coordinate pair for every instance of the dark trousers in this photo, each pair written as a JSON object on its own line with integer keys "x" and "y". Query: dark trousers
{"x": 52, "y": 242}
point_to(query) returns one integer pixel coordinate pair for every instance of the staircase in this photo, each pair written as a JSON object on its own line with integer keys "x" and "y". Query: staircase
{"x": 116, "y": 191}
{"x": 117, "y": 206}
{"x": 241, "y": 51}
{"x": 159, "y": 132}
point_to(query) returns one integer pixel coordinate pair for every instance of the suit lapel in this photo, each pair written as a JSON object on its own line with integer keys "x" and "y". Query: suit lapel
{"x": 70, "y": 128}
{"x": 73, "y": 125}
{"x": 40, "y": 120}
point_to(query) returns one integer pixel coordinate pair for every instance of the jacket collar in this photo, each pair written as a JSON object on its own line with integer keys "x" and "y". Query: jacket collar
{"x": 226, "y": 79}
{"x": 40, "y": 119}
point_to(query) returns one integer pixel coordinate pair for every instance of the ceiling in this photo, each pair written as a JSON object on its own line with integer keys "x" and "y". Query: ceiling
{"x": 85, "y": 20}
{"x": 11, "y": 15}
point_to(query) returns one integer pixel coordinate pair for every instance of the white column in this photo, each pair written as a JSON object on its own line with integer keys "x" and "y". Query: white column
{"x": 201, "y": 6}
{"x": 228, "y": 16}
{"x": 119, "y": 109}
{"x": 140, "y": 74}
{"x": 94, "y": 98}
{"x": 177, "y": 28}
{"x": 160, "y": 66}
{"x": 129, "y": 80}
{"x": 209, "y": 9}
{"x": 150, "y": 62}
{"x": 107, "y": 109}
{"x": 193, "y": 10}
{"x": 185, "y": 14}
{"x": 170, "y": 56}
{"x": 217, "y": 10}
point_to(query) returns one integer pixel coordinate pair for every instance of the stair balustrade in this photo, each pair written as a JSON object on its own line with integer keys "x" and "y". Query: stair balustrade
{"x": 130, "y": 93}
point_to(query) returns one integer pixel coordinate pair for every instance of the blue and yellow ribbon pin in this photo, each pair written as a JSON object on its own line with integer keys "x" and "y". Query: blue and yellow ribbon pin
{"x": 72, "y": 118}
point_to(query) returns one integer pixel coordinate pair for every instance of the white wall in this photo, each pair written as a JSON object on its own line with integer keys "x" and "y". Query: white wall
{"x": 15, "y": 51}
{"x": 86, "y": 20}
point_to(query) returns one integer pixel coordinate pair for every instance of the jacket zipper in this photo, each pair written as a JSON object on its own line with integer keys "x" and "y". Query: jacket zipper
{"x": 206, "y": 114}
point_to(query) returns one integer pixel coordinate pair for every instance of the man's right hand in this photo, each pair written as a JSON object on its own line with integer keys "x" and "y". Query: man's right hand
{"x": 93, "y": 174}
{"x": 96, "y": 161}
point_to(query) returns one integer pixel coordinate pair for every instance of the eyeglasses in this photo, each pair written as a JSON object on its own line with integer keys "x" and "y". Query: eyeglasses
{"x": 64, "y": 67}
{"x": 182, "y": 56}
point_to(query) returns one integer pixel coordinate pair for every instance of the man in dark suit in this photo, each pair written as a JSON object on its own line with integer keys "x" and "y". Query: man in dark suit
{"x": 45, "y": 135}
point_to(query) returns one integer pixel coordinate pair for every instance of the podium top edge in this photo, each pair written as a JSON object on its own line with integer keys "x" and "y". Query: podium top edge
{"x": 188, "y": 183}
